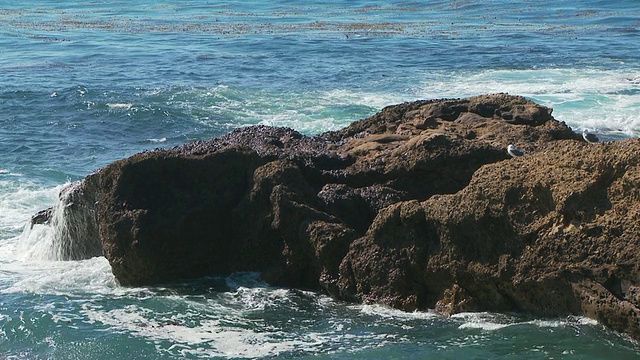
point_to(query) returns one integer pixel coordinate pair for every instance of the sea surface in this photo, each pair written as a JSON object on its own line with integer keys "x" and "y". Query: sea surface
{"x": 84, "y": 83}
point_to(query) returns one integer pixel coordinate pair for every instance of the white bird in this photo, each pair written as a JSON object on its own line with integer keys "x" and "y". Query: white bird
{"x": 590, "y": 138}
{"x": 514, "y": 151}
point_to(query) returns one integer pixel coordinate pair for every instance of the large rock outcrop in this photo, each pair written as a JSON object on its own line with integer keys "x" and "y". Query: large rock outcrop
{"x": 553, "y": 233}
{"x": 417, "y": 207}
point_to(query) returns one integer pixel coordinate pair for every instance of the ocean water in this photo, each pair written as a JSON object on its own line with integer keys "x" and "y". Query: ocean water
{"x": 85, "y": 83}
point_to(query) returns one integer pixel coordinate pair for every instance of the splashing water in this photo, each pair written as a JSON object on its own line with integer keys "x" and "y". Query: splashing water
{"x": 68, "y": 232}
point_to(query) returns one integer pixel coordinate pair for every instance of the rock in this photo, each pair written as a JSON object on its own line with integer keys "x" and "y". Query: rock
{"x": 417, "y": 207}
{"x": 41, "y": 217}
{"x": 267, "y": 199}
{"x": 553, "y": 233}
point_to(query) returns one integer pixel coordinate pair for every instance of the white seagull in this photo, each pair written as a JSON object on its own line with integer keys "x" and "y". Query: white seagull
{"x": 514, "y": 151}
{"x": 590, "y": 138}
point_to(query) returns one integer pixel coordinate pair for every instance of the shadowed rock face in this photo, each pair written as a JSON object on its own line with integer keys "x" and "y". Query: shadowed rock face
{"x": 418, "y": 206}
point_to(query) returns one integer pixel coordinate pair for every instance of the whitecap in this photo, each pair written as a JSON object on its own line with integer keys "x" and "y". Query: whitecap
{"x": 581, "y": 320}
{"x": 388, "y": 312}
{"x": 496, "y": 321}
{"x": 546, "y": 323}
{"x": 6, "y": 172}
{"x": 158, "y": 140}
{"x": 489, "y": 326}
{"x": 484, "y": 321}
{"x": 121, "y": 106}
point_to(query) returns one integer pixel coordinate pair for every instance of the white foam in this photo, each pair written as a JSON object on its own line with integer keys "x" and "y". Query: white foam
{"x": 36, "y": 242}
{"x": 229, "y": 336}
{"x": 158, "y": 140}
{"x": 495, "y": 321}
{"x": 245, "y": 279}
{"x": 62, "y": 277}
{"x": 254, "y": 296}
{"x": 547, "y": 323}
{"x": 23, "y": 272}
{"x": 120, "y": 106}
{"x": 558, "y": 323}
{"x": 229, "y": 325}
{"x": 484, "y": 321}
{"x": 489, "y": 326}
{"x": 311, "y": 113}
{"x": 19, "y": 200}
{"x": 565, "y": 84}
{"x": 318, "y": 112}
{"x": 6, "y": 172}
{"x": 140, "y": 321}
{"x": 388, "y": 312}
{"x": 586, "y": 321}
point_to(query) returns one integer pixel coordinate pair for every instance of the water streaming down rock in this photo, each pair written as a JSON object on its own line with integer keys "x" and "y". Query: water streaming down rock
{"x": 66, "y": 231}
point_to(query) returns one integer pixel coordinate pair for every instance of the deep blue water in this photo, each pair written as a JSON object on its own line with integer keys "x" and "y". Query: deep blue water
{"x": 85, "y": 83}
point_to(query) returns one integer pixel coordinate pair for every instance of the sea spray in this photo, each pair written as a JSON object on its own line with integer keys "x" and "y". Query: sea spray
{"x": 66, "y": 231}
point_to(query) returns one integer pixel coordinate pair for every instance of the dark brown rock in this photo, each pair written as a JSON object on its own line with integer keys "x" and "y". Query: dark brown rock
{"x": 268, "y": 199}
{"x": 41, "y": 217}
{"x": 418, "y": 206}
{"x": 552, "y": 233}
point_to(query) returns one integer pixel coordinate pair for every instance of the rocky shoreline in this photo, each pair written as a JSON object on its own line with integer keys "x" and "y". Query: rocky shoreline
{"x": 417, "y": 207}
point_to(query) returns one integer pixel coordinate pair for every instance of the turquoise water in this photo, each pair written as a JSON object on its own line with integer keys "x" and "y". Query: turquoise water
{"x": 85, "y": 83}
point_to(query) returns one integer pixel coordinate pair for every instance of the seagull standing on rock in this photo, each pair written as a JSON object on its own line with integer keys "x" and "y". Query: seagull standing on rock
{"x": 590, "y": 138}
{"x": 514, "y": 151}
